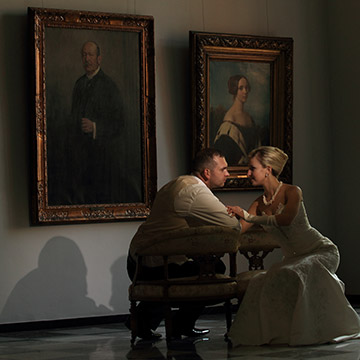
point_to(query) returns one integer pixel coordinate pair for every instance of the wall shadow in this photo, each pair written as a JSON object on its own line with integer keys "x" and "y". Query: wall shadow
{"x": 118, "y": 300}
{"x": 56, "y": 289}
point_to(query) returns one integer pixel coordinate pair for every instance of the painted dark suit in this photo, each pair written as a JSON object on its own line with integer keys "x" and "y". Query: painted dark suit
{"x": 96, "y": 157}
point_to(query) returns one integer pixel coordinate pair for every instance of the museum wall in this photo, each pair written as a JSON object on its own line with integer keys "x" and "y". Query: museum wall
{"x": 344, "y": 77}
{"x": 70, "y": 271}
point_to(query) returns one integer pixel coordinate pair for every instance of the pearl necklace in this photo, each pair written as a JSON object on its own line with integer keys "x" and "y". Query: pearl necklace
{"x": 273, "y": 197}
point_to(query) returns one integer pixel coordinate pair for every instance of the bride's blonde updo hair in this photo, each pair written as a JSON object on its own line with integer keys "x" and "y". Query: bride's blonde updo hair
{"x": 270, "y": 156}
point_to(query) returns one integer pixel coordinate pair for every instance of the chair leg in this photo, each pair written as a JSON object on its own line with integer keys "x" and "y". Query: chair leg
{"x": 168, "y": 322}
{"x": 133, "y": 321}
{"x": 228, "y": 314}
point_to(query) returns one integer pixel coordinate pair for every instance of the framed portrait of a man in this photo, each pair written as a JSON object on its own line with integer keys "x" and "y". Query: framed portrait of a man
{"x": 241, "y": 98}
{"x": 93, "y": 107}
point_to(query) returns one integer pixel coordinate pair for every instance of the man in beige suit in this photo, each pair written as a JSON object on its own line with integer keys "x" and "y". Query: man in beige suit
{"x": 184, "y": 202}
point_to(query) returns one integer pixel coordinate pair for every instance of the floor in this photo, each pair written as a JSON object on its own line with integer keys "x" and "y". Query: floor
{"x": 109, "y": 342}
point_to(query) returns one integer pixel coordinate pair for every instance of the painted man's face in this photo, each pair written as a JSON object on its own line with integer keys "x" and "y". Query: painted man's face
{"x": 90, "y": 58}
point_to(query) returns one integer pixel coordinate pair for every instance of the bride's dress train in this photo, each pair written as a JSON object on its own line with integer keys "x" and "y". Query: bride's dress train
{"x": 299, "y": 301}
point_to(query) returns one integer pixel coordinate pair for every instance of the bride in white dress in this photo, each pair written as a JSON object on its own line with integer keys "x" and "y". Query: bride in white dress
{"x": 300, "y": 300}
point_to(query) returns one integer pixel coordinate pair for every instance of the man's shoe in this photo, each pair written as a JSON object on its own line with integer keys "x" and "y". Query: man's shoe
{"x": 149, "y": 335}
{"x": 195, "y": 332}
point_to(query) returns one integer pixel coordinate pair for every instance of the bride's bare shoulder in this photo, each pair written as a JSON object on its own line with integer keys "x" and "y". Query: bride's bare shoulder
{"x": 292, "y": 190}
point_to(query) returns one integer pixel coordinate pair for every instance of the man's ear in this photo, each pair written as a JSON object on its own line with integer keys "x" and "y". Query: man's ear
{"x": 206, "y": 174}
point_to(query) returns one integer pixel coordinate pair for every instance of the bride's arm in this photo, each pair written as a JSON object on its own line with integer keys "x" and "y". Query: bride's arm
{"x": 293, "y": 197}
{"x": 239, "y": 213}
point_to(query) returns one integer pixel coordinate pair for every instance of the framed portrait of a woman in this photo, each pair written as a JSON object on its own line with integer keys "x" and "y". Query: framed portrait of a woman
{"x": 241, "y": 98}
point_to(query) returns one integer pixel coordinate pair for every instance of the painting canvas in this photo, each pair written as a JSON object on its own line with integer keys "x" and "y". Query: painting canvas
{"x": 241, "y": 98}
{"x": 94, "y": 120}
{"x": 256, "y": 103}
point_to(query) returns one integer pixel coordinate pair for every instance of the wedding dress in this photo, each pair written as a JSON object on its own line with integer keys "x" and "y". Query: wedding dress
{"x": 299, "y": 301}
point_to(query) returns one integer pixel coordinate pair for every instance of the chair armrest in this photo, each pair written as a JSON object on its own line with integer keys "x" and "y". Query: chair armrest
{"x": 257, "y": 239}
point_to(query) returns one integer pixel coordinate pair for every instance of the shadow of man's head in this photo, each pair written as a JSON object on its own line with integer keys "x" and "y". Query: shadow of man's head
{"x": 57, "y": 288}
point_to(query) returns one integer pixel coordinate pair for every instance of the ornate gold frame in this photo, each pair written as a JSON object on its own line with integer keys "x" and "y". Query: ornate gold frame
{"x": 277, "y": 53}
{"x": 74, "y": 23}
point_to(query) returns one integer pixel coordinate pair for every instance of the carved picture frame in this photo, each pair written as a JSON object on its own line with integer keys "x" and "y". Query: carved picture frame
{"x": 93, "y": 143}
{"x": 265, "y": 65}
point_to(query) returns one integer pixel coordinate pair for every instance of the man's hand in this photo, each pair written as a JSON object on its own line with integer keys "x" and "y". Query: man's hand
{"x": 235, "y": 211}
{"x": 87, "y": 126}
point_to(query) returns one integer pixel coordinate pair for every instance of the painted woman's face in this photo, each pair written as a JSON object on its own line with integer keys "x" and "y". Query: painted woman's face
{"x": 243, "y": 90}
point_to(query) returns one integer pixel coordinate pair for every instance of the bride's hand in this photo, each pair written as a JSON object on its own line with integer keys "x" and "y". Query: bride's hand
{"x": 235, "y": 211}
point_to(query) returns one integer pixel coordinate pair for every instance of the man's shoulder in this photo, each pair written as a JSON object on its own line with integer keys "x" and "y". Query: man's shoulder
{"x": 105, "y": 81}
{"x": 103, "y": 76}
{"x": 179, "y": 183}
{"x": 188, "y": 179}
{"x": 80, "y": 79}
{"x": 189, "y": 185}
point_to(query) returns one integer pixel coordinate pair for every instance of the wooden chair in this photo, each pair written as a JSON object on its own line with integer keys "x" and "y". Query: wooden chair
{"x": 204, "y": 243}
